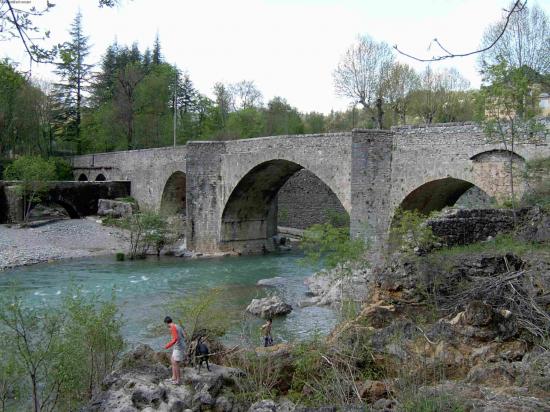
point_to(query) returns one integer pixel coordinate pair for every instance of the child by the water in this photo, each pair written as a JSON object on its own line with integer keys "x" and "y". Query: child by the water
{"x": 178, "y": 353}
{"x": 266, "y": 331}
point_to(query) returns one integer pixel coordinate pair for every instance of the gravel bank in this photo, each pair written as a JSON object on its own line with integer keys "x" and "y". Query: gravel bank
{"x": 58, "y": 240}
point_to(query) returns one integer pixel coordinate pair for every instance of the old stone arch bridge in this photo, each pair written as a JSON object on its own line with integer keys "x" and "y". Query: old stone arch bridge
{"x": 228, "y": 190}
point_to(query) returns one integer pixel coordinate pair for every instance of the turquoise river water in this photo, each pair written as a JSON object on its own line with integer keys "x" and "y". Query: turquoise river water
{"x": 144, "y": 288}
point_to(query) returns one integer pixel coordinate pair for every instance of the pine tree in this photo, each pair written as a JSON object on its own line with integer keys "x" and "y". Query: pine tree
{"x": 187, "y": 95}
{"x": 147, "y": 60}
{"x": 75, "y": 77}
{"x": 104, "y": 85}
{"x": 135, "y": 54}
{"x": 157, "y": 56}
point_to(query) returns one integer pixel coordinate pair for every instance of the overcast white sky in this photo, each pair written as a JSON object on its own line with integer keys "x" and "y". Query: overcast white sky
{"x": 289, "y": 48}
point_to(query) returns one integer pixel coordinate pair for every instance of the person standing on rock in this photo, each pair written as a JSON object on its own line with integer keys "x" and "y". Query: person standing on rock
{"x": 178, "y": 353}
{"x": 266, "y": 330}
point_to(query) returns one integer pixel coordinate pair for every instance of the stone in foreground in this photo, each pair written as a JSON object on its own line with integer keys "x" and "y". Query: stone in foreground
{"x": 269, "y": 307}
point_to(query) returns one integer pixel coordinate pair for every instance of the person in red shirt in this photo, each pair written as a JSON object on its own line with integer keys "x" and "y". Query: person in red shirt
{"x": 178, "y": 351}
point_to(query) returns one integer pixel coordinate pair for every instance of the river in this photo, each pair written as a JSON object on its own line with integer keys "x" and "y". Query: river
{"x": 144, "y": 289}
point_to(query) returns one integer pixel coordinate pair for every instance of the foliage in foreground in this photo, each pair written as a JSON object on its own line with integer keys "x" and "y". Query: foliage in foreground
{"x": 59, "y": 357}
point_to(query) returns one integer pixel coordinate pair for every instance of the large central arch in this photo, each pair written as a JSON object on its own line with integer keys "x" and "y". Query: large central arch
{"x": 249, "y": 218}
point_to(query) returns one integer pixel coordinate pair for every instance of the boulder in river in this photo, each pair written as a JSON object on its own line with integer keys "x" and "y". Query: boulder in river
{"x": 269, "y": 307}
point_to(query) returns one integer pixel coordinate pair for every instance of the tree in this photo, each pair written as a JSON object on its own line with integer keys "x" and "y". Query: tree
{"x": 34, "y": 173}
{"x": 510, "y": 103}
{"x": 34, "y": 336}
{"x": 436, "y": 91}
{"x": 400, "y": 82}
{"x": 157, "y": 56}
{"x": 61, "y": 356}
{"x": 526, "y": 41}
{"x": 282, "y": 118}
{"x": 224, "y": 101}
{"x": 125, "y": 99}
{"x": 361, "y": 74}
{"x": 245, "y": 95}
{"x": 75, "y": 75}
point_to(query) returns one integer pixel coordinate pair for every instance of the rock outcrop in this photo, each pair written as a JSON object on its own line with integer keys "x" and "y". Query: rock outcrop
{"x": 140, "y": 384}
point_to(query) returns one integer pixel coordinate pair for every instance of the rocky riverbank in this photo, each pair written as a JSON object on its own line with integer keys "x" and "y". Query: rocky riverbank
{"x": 61, "y": 239}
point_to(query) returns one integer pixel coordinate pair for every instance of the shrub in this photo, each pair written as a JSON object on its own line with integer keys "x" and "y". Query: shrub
{"x": 63, "y": 169}
{"x": 57, "y": 357}
{"x": 409, "y": 233}
{"x": 332, "y": 245}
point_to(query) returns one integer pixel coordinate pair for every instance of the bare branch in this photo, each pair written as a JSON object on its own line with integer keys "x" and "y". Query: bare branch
{"x": 518, "y": 6}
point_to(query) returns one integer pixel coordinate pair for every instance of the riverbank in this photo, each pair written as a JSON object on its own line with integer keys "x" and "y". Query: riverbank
{"x": 62, "y": 239}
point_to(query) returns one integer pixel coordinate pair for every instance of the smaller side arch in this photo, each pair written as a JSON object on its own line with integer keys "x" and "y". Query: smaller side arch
{"x": 174, "y": 199}
{"x": 100, "y": 178}
{"x": 491, "y": 172}
{"x": 82, "y": 177}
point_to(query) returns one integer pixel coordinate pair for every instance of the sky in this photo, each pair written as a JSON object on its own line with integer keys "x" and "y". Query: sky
{"x": 289, "y": 48}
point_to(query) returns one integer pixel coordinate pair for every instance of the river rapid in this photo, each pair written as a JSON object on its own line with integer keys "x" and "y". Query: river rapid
{"x": 145, "y": 288}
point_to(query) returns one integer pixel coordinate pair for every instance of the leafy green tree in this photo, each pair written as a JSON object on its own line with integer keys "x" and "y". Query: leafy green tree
{"x": 125, "y": 99}
{"x": 34, "y": 173}
{"x": 147, "y": 230}
{"x": 281, "y": 118}
{"x": 34, "y": 337}
{"x": 91, "y": 345}
{"x": 24, "y": 114}
{"x": 60, "y": 357}
{"x": 245, "y": 123}
{"x": 75, "y": 75}
{"x": 314, "y": 122}
{"x": 398, "y": 85}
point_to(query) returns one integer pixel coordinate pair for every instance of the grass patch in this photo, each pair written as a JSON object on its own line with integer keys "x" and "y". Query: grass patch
{"x": 502, "y": 243}
{"x": 433, "y": 403}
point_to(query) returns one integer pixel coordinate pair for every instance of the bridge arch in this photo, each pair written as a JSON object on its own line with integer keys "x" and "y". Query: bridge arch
{"x": 249, "y": 217}
{"x": 100, "y": 178}
{"x": 173, "y": 200}
{"x": 436, "y": 194}
{"x": 82, "y": 177}
{"x": 67, "y": 206}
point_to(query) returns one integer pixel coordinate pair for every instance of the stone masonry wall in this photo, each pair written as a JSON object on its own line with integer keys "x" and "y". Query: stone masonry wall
{"x": 147, "y": 169}
{"x": 305, "y": 200}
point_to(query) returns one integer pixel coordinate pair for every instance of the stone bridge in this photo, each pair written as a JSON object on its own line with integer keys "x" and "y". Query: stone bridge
{"x": 79, "y": 199}
{"x": 229, "y": 189}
